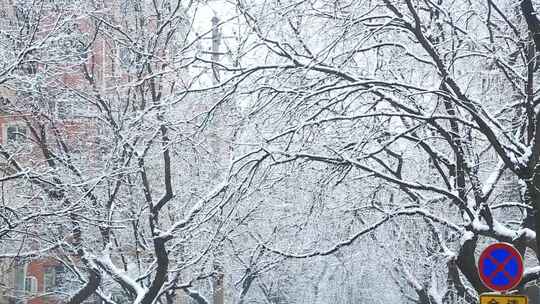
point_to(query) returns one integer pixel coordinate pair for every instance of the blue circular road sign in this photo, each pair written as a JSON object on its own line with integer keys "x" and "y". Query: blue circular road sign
{"x": 500, "y": 267}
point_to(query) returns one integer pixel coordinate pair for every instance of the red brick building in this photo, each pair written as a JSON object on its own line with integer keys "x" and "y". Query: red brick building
{"x": 44, "y": 279}
{"x": 41, "y": 280}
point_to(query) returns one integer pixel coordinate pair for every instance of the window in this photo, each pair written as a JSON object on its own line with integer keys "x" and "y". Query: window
{"x": 60, "y": 280}
{"x": 30, "y": 284}
{"x": 15, "y": 133}
{"x": 53, "y": 279}
{"x": 49, "y": 279}
{"x": 128, "y": 59}
{"x": 125, "y": 57}
{"x": 64, "y": 108}
{"x": 19, "y": 276}
{"x": 129, "y": 6}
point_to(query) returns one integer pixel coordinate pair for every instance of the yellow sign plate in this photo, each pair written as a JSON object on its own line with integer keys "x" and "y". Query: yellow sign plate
{"x": 503, "y": 299}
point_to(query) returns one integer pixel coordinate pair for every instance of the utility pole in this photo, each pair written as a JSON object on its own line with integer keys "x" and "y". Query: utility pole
{"x": 219, "y": 129}
{"x": 217, "y": 280}
{"x": 216, "y": 41}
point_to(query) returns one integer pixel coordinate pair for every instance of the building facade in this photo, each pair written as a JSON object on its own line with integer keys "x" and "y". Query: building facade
{"x": 43, "y": 278}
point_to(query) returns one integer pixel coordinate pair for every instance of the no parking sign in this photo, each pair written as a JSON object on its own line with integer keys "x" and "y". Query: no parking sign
{"x": 500, "y": 267}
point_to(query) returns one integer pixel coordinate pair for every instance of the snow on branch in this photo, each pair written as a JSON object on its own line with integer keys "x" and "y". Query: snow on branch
{"x": 351, "y": 240}
{"x": 196, "y": 209}
{"x": 29, "y": 254}
{"x": 120, "y": 276}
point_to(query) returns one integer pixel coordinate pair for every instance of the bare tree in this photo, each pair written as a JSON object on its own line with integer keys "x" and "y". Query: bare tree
{"x": 430, "y": 104}
{"x": 114, "y": 168}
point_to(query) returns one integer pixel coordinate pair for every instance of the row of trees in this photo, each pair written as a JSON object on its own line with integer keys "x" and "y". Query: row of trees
{"x": 316, "y": 151}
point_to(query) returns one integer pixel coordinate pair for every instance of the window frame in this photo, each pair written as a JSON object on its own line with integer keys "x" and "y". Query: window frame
{"x": 17, "y": 125}
{"x": 33, "y": 288}
{"x": 49, "y": 286}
